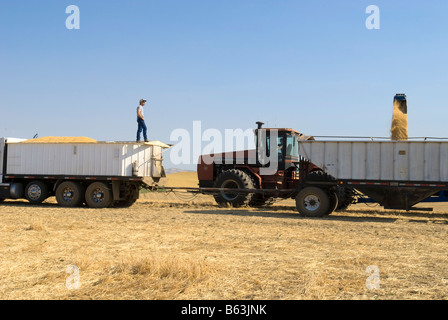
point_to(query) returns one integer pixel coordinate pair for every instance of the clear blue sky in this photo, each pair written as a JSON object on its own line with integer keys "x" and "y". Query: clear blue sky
{"x": 308, "y": 65}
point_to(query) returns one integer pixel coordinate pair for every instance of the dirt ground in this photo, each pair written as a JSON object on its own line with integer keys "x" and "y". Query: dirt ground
{"x": 171, "y": 246}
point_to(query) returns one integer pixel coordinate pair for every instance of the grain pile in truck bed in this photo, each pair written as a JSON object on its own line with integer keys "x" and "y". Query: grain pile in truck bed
{"x": 61, "y": 140}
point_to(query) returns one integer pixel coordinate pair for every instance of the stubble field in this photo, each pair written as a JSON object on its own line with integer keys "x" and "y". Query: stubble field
{"x": 170, "y": 246}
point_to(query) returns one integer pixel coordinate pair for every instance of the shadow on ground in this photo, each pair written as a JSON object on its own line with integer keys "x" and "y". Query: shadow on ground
{"x": 348, "y": 215}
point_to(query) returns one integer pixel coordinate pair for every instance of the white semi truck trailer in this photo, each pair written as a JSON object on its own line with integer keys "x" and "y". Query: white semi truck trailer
{"x": 99, "y": 174}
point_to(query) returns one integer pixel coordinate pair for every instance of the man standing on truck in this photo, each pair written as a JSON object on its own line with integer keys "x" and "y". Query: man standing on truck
{"x": 141, "y": 121}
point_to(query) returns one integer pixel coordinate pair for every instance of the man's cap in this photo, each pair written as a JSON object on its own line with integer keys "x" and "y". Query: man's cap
{"x": 142, "y": 100}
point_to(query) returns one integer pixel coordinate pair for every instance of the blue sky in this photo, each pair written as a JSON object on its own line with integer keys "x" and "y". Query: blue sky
{"x": 308, "y": 65}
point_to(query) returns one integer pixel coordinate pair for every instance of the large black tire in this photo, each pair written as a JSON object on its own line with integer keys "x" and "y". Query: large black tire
{"x": 99, "y": 195}
{"x": 346, "y": 197}
{"x": 313, "y": 202}
{"x": 36, "y": 192}
{"x": 70, "y": 194}
{"x": 2, "y": 199}
{"x": 234, "y": 179}
{"x": 319, "y": 175}
{"x": 334, "y": 201}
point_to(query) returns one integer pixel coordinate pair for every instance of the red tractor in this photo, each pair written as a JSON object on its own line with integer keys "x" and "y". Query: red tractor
{"x": 246, "y": 171}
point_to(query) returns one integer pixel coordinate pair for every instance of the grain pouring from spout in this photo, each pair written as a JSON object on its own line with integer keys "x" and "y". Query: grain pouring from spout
{"x": 399, "y": 129}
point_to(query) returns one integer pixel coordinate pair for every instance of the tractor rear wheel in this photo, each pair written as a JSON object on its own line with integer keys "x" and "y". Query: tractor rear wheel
{"x": 334, "y": 201}
{"x": 346, "y": 197}
{"x": 233, "y": 179}
{"x": 313, "y": 202}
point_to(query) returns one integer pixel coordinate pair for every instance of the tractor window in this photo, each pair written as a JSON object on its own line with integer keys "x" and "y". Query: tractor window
{"x": 277, "y": 143}
{"x": 292, "y": 146}
{"x": 263, "y": 144}
{"x": 280, "y": 149}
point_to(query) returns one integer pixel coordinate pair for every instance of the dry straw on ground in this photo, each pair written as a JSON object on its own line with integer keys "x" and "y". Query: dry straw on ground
{"x": 165, "y": 248}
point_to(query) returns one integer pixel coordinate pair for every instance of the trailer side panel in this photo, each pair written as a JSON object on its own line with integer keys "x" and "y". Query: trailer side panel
{"x": 84, "y": 159}
{"x": 379, "y": 161}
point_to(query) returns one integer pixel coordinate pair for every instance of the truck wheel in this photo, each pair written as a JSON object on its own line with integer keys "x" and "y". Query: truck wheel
{"x": 313, "y": 202}
{"x": 346, "y": 197}
{"x": 333, "y": 203}
{"x": 99, "y": 195}
{"x": 130, "y": 194}
{"x": 70, "y": 194}
{"x": 2, "y": 199}
{"x": 233, "y": 179}
{"x": 36, "y": 192}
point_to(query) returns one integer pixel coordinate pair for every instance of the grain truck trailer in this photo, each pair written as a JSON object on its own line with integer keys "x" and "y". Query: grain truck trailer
{"x": 100, "y": 174}
{"x": 395, "y": 174}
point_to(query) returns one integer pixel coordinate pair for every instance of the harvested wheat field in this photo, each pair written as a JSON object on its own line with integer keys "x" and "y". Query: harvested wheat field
{"x": 182, "y": 179}
{"x": 166, "y": 248}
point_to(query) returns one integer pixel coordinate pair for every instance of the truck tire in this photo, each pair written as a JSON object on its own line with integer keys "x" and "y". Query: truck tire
{"x": 36, "y": 192}
{"x": 99, "y": 195}
{"x": 313, "y": 202}
{"x": 70, "y": 194}
{"x": 334, "y": 201}
{"x": 2, "y": 199}
{"x": 129, "y": 194}
{"x": 346, "y": 197}
{"x": 233, "y": 179}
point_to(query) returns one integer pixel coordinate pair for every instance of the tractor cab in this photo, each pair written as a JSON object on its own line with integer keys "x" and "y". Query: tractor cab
{"x": 283, "y": 142}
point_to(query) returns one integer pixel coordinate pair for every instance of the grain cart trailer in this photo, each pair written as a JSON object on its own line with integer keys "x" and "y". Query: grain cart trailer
{"x": 100, "y": 174}
{"x": 395, "y": 174}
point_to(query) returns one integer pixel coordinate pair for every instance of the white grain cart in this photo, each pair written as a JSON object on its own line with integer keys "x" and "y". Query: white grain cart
{"x": 397, "y": 175}
{"x": 100, "y": 174}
